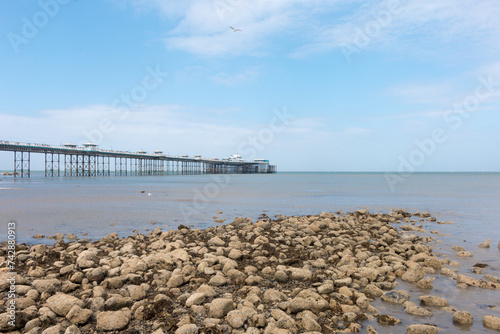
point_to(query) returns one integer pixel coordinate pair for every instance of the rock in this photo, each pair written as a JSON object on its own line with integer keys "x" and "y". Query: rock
{"x": 47, "y": 285}
{"x": 310, "y": 324}
{"x": 220, "y": 307}
{"x": 397, "y": 297}
{"x": 430, "y": 300}
{"x": 281, "y": 276}
{"x": 187, "y": 329}
{"x": 469, "y": 281}
{"x": 66, "y": 269}
{"x": 217, "y": 280}
{"x": 485, "y": 244}
{"x": 97, "y": 274}
{"x": 413, "y": 309}
{"x": 78, "y": 316}
{"x": 87, "y": 258}
{"x": 53, "y": 330}
{"x": 464, "y": 254}
{"x": 414, "y": 273}
{"x": 421, "y": 329}
{"x": 236, "y": 318}
{"x": 433, "y": 263}
{"x": 343, "y": 282}
{"x": 300, "y": 304}
{"x": 425, "y": 283}
{"x": 175, "y": 281}
{"x": 272, "y": 296}
{"x": 326, "y": 288}
{"x": 388, "y": 320}
{"x": 217, "y": 242}
{"x": 158, "y": 331}
{"x": 195, "y": 299}
{"x": 180, "y": 254}
{"x": 20, "y": 321}
{"x": 370, "y": 274}
{"x": 32, "y": 324}
{"x": 373, "y": 291}
{"x": 23, "y": 303}
{"x": 116, "y": 303}
{"x": 235, "y": 254}
{"x": 284, "y": 321}
{"x": 208, "y": 291}
{"x": 491, "y": 322}
{"x": 345, "y": 291}
{"x": 61, "y": 303}
{"x": 300, "y": 274}
{"x": 72, "y": 330}
{"x": 492, "y": 278}
{"x": 113, "y": 320}
{"x": 136, "y": 292}
{"x": 462, "y": 318}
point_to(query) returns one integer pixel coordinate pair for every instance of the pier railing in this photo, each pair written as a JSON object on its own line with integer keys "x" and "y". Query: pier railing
{"x": 71, "y": 160}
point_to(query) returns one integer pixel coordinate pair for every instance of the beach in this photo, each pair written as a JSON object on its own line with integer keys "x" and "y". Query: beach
{"x": 327, "y": 273}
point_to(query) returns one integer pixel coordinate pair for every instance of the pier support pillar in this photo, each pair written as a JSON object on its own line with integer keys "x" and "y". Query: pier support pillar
{"x": 52, "y": 164}
{"x": 22, "y": 164}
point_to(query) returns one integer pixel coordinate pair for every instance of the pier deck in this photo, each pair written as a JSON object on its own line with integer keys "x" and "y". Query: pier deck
{"x": 90, "y": 160}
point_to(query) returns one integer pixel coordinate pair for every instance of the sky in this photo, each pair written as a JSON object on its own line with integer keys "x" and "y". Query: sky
{"x": 316, "y": 85}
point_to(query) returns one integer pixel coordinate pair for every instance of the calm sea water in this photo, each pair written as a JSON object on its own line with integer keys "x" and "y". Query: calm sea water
{"x": 102, "y": 205}
{"x": 98, "y": 206}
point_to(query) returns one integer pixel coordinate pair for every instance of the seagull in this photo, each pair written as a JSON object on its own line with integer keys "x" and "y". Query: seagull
{"x": 234, "y": 29}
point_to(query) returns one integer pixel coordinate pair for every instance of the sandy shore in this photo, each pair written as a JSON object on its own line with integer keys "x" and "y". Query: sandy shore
{"x": 309, "y": 274}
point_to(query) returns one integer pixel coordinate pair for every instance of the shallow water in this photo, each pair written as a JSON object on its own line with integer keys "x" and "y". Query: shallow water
{"x": 94, "y": 207}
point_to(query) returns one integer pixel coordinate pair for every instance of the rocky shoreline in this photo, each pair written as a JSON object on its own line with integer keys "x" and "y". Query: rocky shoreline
{"x": 309, "y": 274}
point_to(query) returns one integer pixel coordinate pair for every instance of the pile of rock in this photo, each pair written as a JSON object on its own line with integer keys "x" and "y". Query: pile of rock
{"x": 309, "y": 274}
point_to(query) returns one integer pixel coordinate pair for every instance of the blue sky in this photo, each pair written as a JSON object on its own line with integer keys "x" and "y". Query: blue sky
{"x": 311, "y": 85}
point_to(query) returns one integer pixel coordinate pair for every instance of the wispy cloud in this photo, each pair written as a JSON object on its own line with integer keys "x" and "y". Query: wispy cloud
{"x": 230, "y": 79}
{"x": 423, "y": 93}
{"x": 422, "y": 28}
{"x": 174, "y": 129}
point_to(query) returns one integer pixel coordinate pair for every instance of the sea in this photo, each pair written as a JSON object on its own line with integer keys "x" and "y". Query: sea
{"x": 92, "y": 207}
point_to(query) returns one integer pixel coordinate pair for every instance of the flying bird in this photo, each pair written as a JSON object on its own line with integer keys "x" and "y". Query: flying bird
{"x": 234, "y": 29}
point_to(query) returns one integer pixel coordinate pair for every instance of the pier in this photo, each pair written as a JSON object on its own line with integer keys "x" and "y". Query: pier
{"x": 90, "y": 160}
